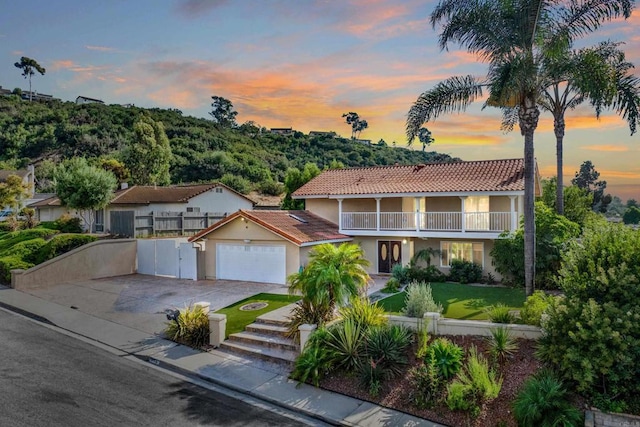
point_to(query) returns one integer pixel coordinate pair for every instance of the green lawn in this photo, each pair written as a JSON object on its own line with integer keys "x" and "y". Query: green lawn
{"x": 237, "y": 319}
{"x": 463, "y": 301}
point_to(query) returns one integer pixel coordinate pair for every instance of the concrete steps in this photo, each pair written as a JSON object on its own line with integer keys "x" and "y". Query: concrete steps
{"x": 265, "y": 339}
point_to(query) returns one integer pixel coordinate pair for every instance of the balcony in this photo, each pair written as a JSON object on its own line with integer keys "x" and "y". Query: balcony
{"x": 491, "y": 222}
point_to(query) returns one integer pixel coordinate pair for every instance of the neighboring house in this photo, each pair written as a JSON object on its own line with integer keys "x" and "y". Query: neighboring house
{"x": 263, "y": 246}
{"x": 5, "y": 92}
{"x": 282, "y": 131}
{"x": 35, "y": 96}
{"x": 393, "y": 212}
{"x": 87, "y": 100}
{"x": 28, "y": 179}
{"x": 322, "y": 133}
{"x": 149, "y": 210}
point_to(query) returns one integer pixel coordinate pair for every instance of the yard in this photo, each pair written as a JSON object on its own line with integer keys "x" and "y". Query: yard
{"x": 238, "y": 319}
{"x": 465, "y": 302}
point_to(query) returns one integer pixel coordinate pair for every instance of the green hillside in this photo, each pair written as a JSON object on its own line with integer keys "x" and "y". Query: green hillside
{"x": 202, "y": 151}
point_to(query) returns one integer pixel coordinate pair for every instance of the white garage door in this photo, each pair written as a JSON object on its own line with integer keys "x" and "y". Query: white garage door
{"x": 254, "y": 263}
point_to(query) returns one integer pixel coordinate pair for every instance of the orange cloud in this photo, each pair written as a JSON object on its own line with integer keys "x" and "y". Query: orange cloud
{"x": 606, "y": 147}
{"x": 62, "y": 64}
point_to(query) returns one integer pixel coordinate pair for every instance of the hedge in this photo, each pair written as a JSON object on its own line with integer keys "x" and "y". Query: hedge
{"x": 59, "y": 245}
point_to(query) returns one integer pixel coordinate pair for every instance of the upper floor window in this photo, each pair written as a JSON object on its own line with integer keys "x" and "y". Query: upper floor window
{"x": 193, "y": 209}
{"x": 476, "y": 210}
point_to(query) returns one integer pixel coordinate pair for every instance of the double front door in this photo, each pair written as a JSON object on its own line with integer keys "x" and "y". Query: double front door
{"x": 389, "y": 254}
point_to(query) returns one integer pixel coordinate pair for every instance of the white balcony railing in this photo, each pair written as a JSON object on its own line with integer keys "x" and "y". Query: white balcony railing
{"x": 428, "y": 221}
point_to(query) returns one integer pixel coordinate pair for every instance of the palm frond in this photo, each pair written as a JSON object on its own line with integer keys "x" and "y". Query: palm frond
{"x": 579, "y": 18}
{"x": 451, "y": 95}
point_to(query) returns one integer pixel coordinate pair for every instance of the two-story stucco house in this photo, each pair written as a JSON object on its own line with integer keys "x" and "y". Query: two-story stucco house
{"x": 391, "y": 211}
{"x": 459, "y": 208}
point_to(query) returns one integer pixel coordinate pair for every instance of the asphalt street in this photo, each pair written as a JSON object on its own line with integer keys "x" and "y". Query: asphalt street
{"x": 50, "y": 379}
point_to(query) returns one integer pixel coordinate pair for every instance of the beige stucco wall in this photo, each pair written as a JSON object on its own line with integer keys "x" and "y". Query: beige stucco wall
{"x": 358, "y": 205}
{"x": 500, "y": 204}
{"x": 443, "y": 204}
{"x": 324, "y": 208}
{"x": 104, "y": 258}
{"x": 237, "y": 231}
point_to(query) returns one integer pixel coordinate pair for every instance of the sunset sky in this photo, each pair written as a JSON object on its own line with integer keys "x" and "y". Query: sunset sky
{"x": 294, "y": 63}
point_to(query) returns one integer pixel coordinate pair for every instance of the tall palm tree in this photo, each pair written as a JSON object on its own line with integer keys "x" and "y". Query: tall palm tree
{"x": 515, "y": 38}
{"x": 333, "y": 275}
{"x": 600, "y": 75}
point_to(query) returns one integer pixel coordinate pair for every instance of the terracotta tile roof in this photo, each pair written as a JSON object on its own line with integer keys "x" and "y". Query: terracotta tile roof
{"x": 147, "y": 194}
{"x": 299, "y": 227}
{"x": 487, "y": 175}
{"x": 51, "y": 201}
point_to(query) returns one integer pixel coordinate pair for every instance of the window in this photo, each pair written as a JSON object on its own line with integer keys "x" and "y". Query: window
{"x": 193, "y": 209}
{"x": 218, "y": 189}
{"x": 98, "y": 224}
{"x": 476, "y": 212}
{"x": 467, "y": 251}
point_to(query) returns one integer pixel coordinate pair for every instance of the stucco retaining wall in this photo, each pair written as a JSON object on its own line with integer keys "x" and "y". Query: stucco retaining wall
{"x": 595, "y": 418}
{"x": 438, "y": 325}
{"x": 104, "y": 258}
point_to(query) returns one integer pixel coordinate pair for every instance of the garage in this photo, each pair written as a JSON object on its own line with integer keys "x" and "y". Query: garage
{"x": 252, "y": 263}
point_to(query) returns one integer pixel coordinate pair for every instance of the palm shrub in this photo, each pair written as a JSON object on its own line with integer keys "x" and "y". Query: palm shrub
{"x": 501, "y": 344}
{"x": 372, "y": 374}
{"x": 387, "y": 345}
{"x": 361, "y": 311}
{"x": 419, "y": 300}
{"x": 447, "y": 357}
{"x": 347, "y": 340}
{"x": 314, "y": 363}
{"x": 400, "y": 273}
{"x": 500, "y": 313}
{"x": 190, "y": 327}
{"x": 544, "y": 402}
{"x": 392, "y": 286}
{"x": 306, "y": 312}
{"x": 474, "y": 385}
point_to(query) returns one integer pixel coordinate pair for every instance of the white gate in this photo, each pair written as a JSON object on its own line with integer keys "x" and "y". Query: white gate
{"x": 167, "y": 257}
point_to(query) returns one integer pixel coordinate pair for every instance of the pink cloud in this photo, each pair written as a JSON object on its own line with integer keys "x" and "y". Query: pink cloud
{"x": 100, "y": 48}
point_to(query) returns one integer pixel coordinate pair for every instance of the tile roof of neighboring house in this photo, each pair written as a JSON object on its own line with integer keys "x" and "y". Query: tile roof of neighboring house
{"x": 147, "y": 194}
{"x": 43, "y": 203}
{"x": 4, "y": 174}
{"x": 455, "y": 177}
{"x": 298, "y": 227}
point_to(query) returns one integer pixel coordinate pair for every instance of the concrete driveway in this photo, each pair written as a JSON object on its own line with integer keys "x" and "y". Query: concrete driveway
{"x": 140, "y": 301}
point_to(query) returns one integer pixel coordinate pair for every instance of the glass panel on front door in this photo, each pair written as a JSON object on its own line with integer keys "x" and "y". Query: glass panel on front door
{"x": 389, "y": 254}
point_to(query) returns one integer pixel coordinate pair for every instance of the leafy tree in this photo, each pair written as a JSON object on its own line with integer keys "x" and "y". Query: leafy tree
{"x": 631, "y": 216}
{"x": 529, "y": 34}
{"x": 632, "y": 202}
{"x": 44, "y": 176}
{"x": 553, "y": 231}
{"x": 592, "y": 337}
{"x": 587, "y": 179}
{"x": 149, "y": 155}
{"x": 223, "y": 113}
{"x": 333, "y": 275}
{"x": 296, "y": 179}
{"x": 116, "y": 167}
{"x": 29, "y": 67}
{"x": 425, "y": 138}
{"x": 357, "y": 124}
{"x": 83, "y": 187}
{"x": 577, "y": 201}
{"x": 12, "y": 191}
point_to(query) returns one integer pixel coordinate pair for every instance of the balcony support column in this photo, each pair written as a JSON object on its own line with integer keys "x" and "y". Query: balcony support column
{"x": 463, "y": 216}
{"x": 514, "y": 217}
{"x": 378, "y": 214}
{"x": 340, "y": 214}
{"x": 416, "y": 205}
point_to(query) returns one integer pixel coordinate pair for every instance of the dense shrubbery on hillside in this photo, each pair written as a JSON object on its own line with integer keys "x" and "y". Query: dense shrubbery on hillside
{"x": 202, "y": 151}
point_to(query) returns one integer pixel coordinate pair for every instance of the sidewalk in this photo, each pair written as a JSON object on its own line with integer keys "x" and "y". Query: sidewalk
{"x": 214, "y": 366}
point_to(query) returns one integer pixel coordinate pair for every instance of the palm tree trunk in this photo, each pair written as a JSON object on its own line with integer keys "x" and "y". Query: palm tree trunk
{"x": 558, "y": 128}
{"x": 529, "y": 115}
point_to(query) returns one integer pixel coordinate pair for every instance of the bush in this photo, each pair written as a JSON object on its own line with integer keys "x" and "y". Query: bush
{"x": 30, "y": 220}
{"x": 534, "y": 307}
{"x": 347, "y": 341}
{"x": 11, "y": 239}
{"x": 363, "y": 313}
{"x": 501, "y": 344}
{"x": 11, "y": 262}
{"x": 500, "y": 313}
{"x": 474, "y": 385}
{"x": 400, "y": 273}
{"x": 58, "y": 245}
{"x": 447, "y": 356}
{"x": 25, "y": 248}
{"x": 428, "y": 384}
{"x": 314, "y": 363}
{"x": 592, "y": 335}
{"x": 391, "y": 287}
{"x": 427, "y": 274}
{"x": 465, "y": 271}
{"x": 543, "y": 401}
{"x": 387, "y": 347}
{"x": 271, "y": 188}
{"x": 68, "y": 224}
{"x": 419, "y": 300}
{"x": 238, "y": 183}
{"x": 306, "y": 312}
{"x": 191, "y": 327}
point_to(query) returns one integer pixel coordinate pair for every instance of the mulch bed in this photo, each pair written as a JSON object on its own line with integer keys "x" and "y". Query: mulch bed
{"x": 397, "y": 393}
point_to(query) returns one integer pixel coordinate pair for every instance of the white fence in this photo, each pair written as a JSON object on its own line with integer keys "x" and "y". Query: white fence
{"x": 167, "y": 257}
{"x": 427, "y": 221}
